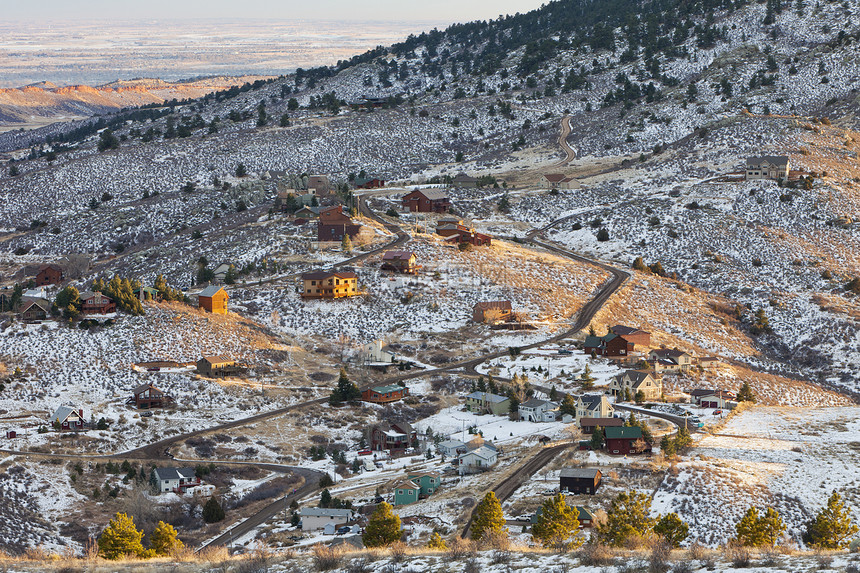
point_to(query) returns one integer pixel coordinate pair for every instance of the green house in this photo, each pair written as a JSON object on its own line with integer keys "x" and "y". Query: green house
{"x": 428, "y": 482}
{"x": 406, "y": 492}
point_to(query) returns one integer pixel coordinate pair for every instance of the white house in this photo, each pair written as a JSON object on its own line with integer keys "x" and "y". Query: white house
{"x": 477, "y": 460}
{"x": 451, "y": 448}
{"x": 174, "y": 479}
{"x": 593, "y": 406}
{"x": 536, "y": 410}
{"x": 373, "y": 352}
{"x": 316, "y": 518}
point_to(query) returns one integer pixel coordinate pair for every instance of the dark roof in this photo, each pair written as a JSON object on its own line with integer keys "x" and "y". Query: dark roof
{"x": 626, "y": 432}
{"x": 581, "y": 473}
{"x": 636, "y": 376}
{"x": 596, "y": 341}
{"x": 602, "y": 422}
{"x": 591, "y": 401}
{"x": 621, "y": 330}
{"x": 397, "y": 255}
{"x": 773, "y": 159}
{"x": 493, "y": 305}
{"x": 432, "y": 194}
{"x": 27, "y": 302}
{"x": 144, "y": 388}
{"x": 51, "y": 266}
{"x": 210, "y": 291}
{"x": 174, "y": 473}
{"x": 554, "y": 177}
{"x": 217, "y": 359}
{"x": 322, "y": 275}
{"x": 534, "y": 403}
{"x": 669, "y": 352}
{"x": 463, "y": 177}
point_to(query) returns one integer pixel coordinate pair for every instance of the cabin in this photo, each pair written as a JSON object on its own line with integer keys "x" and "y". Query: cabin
{"x": 641, "y": 338}
{"x": 579, "y": 480}
{"x": 216, "y": 366}
{"x": 385, "y": 394}
{"x": 394, "y": 437}
{"x": 33, "y": 310}
{"x": 470, "y": 236}
{"x": 96, "y": 303}
{"x": 147, "y": 396}
{"x": 426, "y": 201}
{"x": 634, "y": 381}
{"x": 67, "y": 418}
{"x": 406, "y": 492}
{"x": 774, "y": 167}
{"x": 484, "y": 402}
{"x": 176, "y": 480}
{"x": 334, "y": 224}
{"x": 492, "y": 312}
{"x": 477, "y": 460}
{"x": 213, "y": 299}
{"x": 625, "y": 440}
{"x": 307, "y": 213}
{"x": 329, "y": 284}
{"x": 558, "y": 181}
{"x": 449, "y": 226}
{"x": 610, "y": 345}
{"x": 465, "y": 181}
{"x": 588, "y": 425}
{"x": 404, "y": 262}
{"x": 49, "y": 275}
{"x": 316, "y": 518}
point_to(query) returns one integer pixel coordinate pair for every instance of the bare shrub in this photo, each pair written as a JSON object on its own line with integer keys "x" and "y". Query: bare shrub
{"x": 595, "y": 553}
{"x": 658, "y": 561}
{"x": 501, "y": 557}
{"x": 739, "y": 556}
{"x": 398, "y": 552}
{"x": 326, "y": 558}
{"x": 682, "y": 567}
{"x": 770, "y": 556}
{"x": 361, "y": 565}
{"x": 459, "y": 548}
{"x": 496, "y": 540}
{"x": 213, "y": 553}
{"x": 697, "y": 551}
{"x": 852, "y": 568}
{"x": 825, "y": 560}
{"x": 472, "y": 566}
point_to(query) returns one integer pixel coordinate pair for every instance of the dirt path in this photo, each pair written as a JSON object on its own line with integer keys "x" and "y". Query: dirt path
{"x": 570, "y": 153}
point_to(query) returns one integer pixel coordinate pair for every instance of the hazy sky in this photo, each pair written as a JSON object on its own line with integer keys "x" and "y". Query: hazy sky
{"x": 423, "y": 10}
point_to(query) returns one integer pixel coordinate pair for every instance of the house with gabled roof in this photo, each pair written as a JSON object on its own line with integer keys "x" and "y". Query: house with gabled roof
{"x": 316, "y": 518}
{"x": 385, "y": 394}
{"x": 633, "y": 381}
{"x": 405, "y": 262}
{"x": 147, "y": 396}
{"x": 50, "y": 274}
{"x": 767, "y": 167}
{"x": 639, "y": 337}
{"x": 537, "y": 410}
{"x": 625, "y": 440}
{"x": 593, "y": 406}
{"x": 67, "y": 418}
{"x": 710, "y": 398}
{"x": 450, "y": 448}
{"x": 610, "y": 345}
{"x": 579, "y": 480}
{"x": 394, "y": 437}
{"x": 213, "y": 299}
{"x": 96, "y": 303}
{"x": 329, "y": 284}
{"x": 558, "y": 181}
{"x": 477, "y": 460}
{"x": 485, "y": 402}
{"x": 492, "y": 312}
{"x": 334, "y": 224}
{"x": 426, "y": 201}
{"x": 33, "y": 310}
{"x": 428, "y": 482}
{"x": 464, "y": 180}
{"x": 217, "y": 366}
{"x": 406, "y": 492}
{"x": 588, "y": 425}
{"x": 176, "y": 480}
{"x": 672, "y": 359}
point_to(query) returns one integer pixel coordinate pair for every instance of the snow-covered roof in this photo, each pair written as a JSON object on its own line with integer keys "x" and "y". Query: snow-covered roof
{"x": 483, "y": 452}
{"x": 487, "y": 397}
{"x": 325, "y": 512}
{"x": 62, "y": 413}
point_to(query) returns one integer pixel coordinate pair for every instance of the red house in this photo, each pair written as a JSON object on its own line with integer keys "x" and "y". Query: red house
{"x": 385, "y": 394}
{"x": 67, "y": 418}
{"x": 334, "y": 224}
{"x": 639, "y": 337}
{"x": 625, "y": 440}
{"x": 96, "y": 303}
{"x": 395, "y": 437}
{"x": 470, "y": 236}
{"x": 49, "y": 275}
{"x": 369, "y": 183}
{"x": 427, "y": 201}
{"x": 610, "y": 345}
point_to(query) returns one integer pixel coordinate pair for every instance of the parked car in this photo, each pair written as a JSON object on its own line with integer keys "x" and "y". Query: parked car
{"x": 365, "y": 453}
{"x": 343, "y": 530}
{"x": 548, "y": 492}
{"x": 718, "y": 412}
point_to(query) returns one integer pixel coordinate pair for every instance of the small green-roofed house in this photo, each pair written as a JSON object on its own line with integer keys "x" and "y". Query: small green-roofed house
{"x": 385, "y": 394}
{"x": 625, "y": 440}
{"x": 406, "y": 492}
{"x": 586, "y": 519}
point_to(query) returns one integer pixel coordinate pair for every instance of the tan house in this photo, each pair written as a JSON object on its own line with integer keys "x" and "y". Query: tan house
{"x": 768, "y": 167}
{"x": 484, "y": 402}
{"x": 634, "y": 381}
{"x": 492, "y": 312}
{"x": 329, "y": 284}
{"x": 405, "y": 262}
{"x": 593, "y": 406}
{"x": 558, "y": 181}
{"x": 216, "y": 366}
{"x": 671, "y": 359}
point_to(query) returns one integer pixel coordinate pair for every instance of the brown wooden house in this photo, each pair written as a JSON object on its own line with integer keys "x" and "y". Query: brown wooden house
{"x": 35, "y": 310}
{"x": 385, "y": 394}
{"x": 217, "y": 366}
{"x": 369, "y": 183}
{"x": 492, "y": 311}
{"x": 625, "y": 440}
{"x": 213, "y": 299}
{"x": 329, "y": 284}
{"x": 587, "y": 425}
{"x": 580, "y": 480}
{"x": 427, "y": 201}
{"x": 147, "y": 396}
{"x": 393, "y": 437}
{"x": 67, "y": 418}
{"x": 610, "y": 345}
{"x": 334, "y": 224}
{"x": 470, "y": 236}
{"x": 96, "y": 303}
{"x": 404, "y": 262}
{"x": 641, "y": 338}
{"x": 49, "y": 275}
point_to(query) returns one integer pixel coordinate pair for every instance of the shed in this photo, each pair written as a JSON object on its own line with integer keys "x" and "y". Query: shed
{"x": 213, "y": 299}
{"x": 580, "y": 480}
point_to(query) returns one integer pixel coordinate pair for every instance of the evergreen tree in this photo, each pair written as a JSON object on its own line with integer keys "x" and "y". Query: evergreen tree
{"x": 325, "y": 498}
{"x": 586, "y": 378}
{"x": 754, "y": 530}
{"x": 383, "y": 528}
{"x": 436, "y": 542}
{"x": 553, "y": 394}
{"x": 212, "y": 511}
{"x": 488, "y": 517}
{"x": 69, "y": 301}
{"x": 667, "y": 446}
{"x": 121, "y": 538}
{"x": 346, "y": 391}
{"x": 597, "y": 439}
{"x": 831, "y": 527}
{"x": 164, "y": 540}
{"x": 107, "y": 140}
{"x": 558, "y": 524}
{"x": 241, "y": 170}
{"x": 504, "y": 204}
{"x": 671, "y": 528}
{"x": 568, "y": 405}
{"x": 627, "y": 517}
{"x": 745, "y": 394}
{"x": 346, "y": 244}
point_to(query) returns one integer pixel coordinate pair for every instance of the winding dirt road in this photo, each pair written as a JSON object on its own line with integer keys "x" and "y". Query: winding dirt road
{"x": 570, "y": 153}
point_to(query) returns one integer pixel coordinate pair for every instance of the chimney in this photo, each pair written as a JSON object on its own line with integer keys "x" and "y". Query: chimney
{"x": 81, "y": 413}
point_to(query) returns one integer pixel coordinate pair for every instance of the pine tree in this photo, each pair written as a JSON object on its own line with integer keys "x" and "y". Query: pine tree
{"x": 558, "y": 524}
{"x": 346, "y": 391}
{"x": 346, "y": 244}
{"x": 832, "y": 527}
{"x": 553, "y": 394}
{"x": 436, "y": 542}
{"x": 627, "y": 517}
{"x": 488, "y": 517}
{"x": 212, "y": 511}
{"x": 671, "y": 528}
{"x": 586, "y": 378}
{"x": 568, "y": 405}
{"x": 164, "y": 540}
{"x": 597, "y": 439}
{"x": 383, "y": 528}
{"x": 667, "y": 446}
{"x": 756, "y": 530}
{"x": 121, "y": 538}
{"x": 745, "y": 394}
